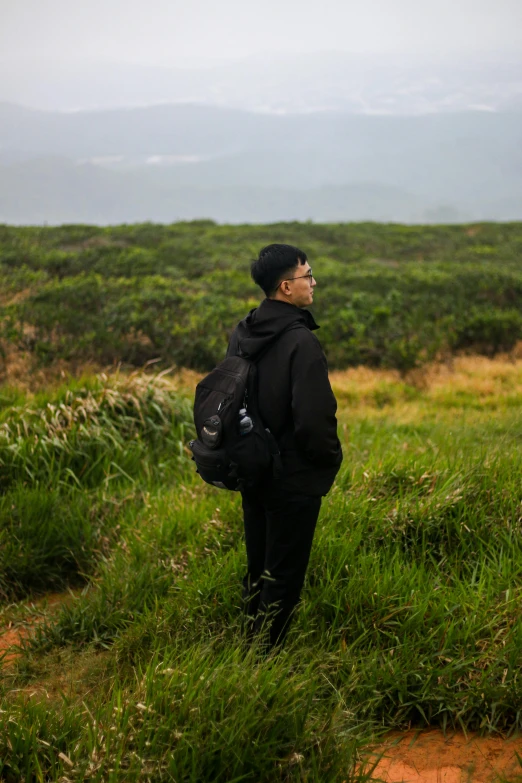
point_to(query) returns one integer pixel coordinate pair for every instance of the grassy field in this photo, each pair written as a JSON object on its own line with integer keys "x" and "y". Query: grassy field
{"x": 410, "y": 615}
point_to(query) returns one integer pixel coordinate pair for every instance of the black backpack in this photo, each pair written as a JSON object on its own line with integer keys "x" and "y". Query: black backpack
{"x": 227, "y": 453}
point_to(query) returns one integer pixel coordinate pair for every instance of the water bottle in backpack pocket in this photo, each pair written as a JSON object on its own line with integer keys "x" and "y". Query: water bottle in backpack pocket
{"x": 233, "y": 449}
{"x": 246, "y": 425}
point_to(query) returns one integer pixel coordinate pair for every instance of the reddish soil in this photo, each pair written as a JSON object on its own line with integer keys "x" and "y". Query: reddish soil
{"x": 8, "y": 640}
{"x": 12, "y": 635}
{"x": 430, "y": 757}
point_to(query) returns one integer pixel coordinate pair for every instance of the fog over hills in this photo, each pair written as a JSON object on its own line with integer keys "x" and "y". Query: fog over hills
{"x": 344, "y": 138}
{"x": 317, "y": 81}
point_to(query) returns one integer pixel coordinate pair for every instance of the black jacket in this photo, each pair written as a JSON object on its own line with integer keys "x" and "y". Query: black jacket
{"x": 296, "y": 400}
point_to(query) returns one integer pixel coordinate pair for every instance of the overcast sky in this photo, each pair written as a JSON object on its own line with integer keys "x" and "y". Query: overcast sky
{"x": 165, "y": 32}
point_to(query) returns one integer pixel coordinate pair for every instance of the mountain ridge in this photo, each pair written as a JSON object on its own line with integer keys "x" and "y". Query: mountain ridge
{"x": 174, "y": 161}
{"x": 55, "y": 191}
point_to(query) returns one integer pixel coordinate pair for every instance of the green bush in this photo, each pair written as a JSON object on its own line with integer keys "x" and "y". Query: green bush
{"x": 489, "y": 331}
{"x": 387, "y": 296}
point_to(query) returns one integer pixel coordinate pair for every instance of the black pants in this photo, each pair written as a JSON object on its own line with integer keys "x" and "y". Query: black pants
{"x": 279, "y": 530}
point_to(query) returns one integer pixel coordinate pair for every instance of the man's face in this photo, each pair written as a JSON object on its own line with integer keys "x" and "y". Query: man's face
{"x": 299, "y": 289}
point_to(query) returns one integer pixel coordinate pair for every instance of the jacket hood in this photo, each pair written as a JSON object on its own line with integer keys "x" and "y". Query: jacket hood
{"x": 263, "y": 325}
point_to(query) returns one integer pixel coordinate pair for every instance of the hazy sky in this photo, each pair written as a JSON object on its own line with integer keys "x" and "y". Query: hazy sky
{"x": 165, "y": 32}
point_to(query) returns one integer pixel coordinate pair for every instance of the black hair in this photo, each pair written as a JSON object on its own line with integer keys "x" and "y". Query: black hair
{"x": 274, "y": 262}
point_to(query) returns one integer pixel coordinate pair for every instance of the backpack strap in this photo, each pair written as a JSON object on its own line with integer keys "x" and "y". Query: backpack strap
{"x": 277, "y": 462}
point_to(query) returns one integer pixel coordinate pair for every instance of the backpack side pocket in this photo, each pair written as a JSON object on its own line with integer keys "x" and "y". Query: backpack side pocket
{"x": 214, "y": 466}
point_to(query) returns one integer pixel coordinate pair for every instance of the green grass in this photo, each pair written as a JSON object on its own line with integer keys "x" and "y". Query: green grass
{"x": 76, "y": 463}
{"x": 410, "y": 614}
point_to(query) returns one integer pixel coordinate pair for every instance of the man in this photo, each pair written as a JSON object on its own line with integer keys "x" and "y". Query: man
{"x": 297, "y": 404}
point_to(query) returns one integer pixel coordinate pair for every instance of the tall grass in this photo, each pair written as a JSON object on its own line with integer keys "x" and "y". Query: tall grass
{"x": 410, "y": 615}
{"x": 101, "y": 431}
{"x": 197, "y": 713}
{"x": 75, "y": 463}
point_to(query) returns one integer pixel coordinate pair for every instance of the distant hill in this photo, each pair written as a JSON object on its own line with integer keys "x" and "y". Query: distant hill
{"x": 52, "y": 190}
{"x": 187, "y": 161}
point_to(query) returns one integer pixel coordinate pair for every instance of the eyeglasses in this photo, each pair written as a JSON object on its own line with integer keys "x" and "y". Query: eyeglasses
{"x": 309, "y": 275}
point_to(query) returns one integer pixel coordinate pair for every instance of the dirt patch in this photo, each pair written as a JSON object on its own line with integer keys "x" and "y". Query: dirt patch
{"x": 9, "y": 298}
{"x": 13, "y": 634}
{"x": 61, "y": 673}
{"x": 432, "y": 757}
{"x": 73, "y": 675}
{"x": 9, "y": 644}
